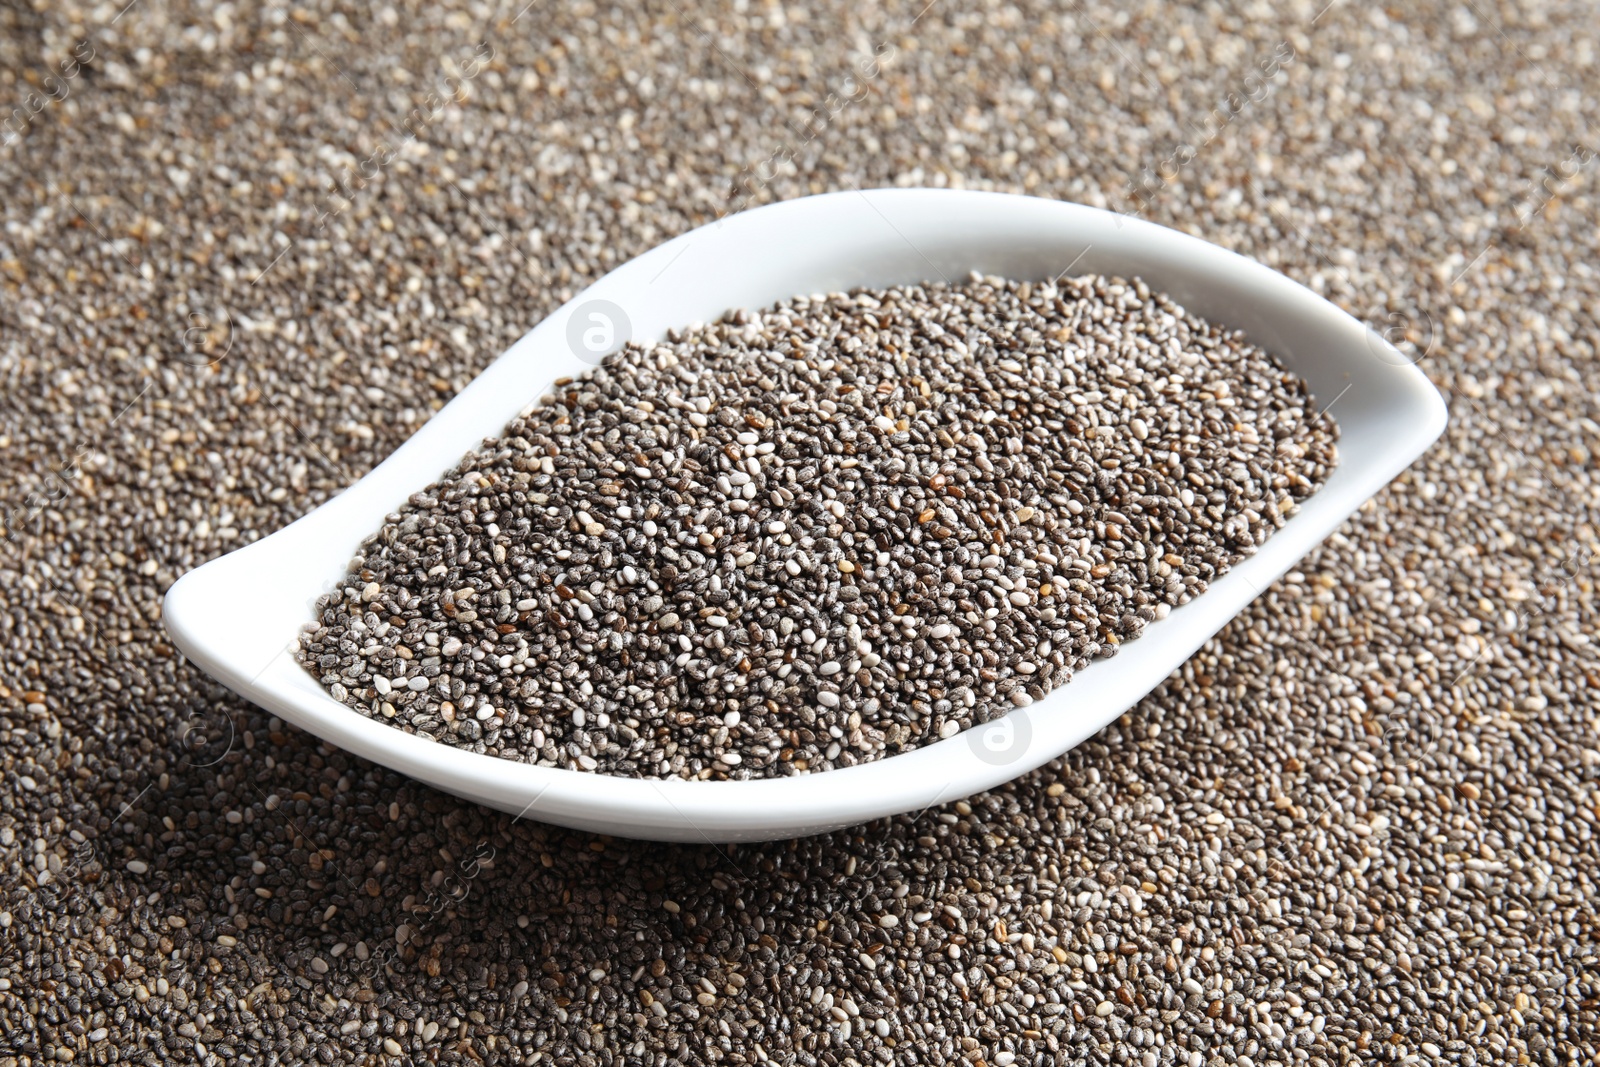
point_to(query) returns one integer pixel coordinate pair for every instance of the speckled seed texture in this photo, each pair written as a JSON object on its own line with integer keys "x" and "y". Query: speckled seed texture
{"x": 843, "y": 528}
{"x": 247, "y": 249}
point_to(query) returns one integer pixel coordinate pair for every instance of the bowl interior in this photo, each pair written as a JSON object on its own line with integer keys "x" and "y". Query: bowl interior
{"x": 238, "y": 616}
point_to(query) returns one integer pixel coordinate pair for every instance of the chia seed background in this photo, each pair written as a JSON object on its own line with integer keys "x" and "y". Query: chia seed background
{"x": 246, "y": 252}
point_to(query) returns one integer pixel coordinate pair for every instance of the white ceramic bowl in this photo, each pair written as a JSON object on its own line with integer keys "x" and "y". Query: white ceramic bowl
{"x": 239, "y": 616}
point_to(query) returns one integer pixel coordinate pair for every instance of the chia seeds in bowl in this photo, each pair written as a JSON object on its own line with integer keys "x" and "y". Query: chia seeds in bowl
{"x": 824, "y": 533}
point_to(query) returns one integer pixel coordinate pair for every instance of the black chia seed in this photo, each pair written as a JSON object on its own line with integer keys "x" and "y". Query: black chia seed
{"x": 824, "y": 534}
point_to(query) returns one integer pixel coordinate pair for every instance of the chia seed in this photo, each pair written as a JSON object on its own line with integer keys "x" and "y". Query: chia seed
{"x": 823, "y": 534}
{"x": 1359, "y": 824}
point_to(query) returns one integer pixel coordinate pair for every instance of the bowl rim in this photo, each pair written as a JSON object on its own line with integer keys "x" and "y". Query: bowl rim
{"x": 194, "y": 608}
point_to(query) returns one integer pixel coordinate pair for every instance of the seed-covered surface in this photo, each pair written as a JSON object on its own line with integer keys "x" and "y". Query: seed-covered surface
{"x": 826, "y": 533}
{"x": 1358, "y": 826}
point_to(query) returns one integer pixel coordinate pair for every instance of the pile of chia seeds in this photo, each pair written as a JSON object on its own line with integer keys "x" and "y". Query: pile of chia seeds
{"x": 823, "y": 534}
{"x": 1360, "y": 825}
